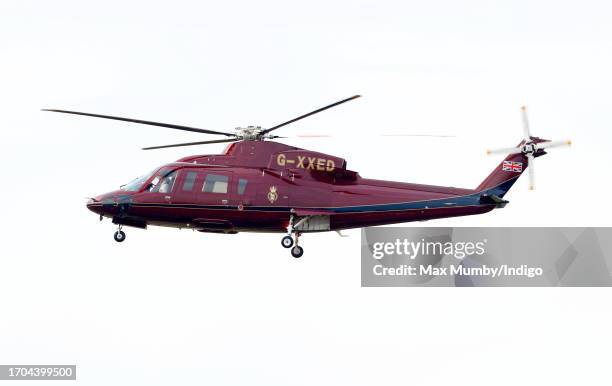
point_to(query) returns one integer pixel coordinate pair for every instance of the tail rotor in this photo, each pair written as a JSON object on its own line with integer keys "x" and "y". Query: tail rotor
{"x": 531, "y": 147}
{"x": 526, "y": 133}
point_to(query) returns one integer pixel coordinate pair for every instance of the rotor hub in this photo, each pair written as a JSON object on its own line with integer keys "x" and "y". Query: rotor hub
{"x": 249, "y": 133}
{"x": 529, "y": 148}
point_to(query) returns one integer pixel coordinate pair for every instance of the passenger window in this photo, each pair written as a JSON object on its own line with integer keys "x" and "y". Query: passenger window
{"x": 189, "y": 181}
{"x": 215, "y": 183}
{"x": 242, "y": 183}
{"x": 166, "y": 183}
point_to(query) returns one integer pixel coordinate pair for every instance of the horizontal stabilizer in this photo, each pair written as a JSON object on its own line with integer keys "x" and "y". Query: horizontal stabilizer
{"x": 493, "y": 199}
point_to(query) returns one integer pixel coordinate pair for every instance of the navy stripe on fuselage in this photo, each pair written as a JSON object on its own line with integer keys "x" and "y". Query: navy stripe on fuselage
{"x": 449, "y": 202}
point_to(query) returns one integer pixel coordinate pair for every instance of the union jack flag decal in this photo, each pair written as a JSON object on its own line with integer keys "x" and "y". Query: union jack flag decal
{"x": 511, "y": 166}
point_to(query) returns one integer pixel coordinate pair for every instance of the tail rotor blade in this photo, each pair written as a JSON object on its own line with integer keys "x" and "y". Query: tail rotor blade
{"x": 526, "y": 132}
{"x": 531, "y": 171}
{"x": 551, "y": 144}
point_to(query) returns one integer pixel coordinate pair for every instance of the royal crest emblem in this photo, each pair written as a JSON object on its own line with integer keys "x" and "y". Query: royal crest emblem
{"x": 272, "y": 195}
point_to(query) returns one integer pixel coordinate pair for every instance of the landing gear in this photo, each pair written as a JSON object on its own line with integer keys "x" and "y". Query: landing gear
{"x": 287, "y": 241}
{"x": 119, "y": 235}
{"x": 297, "y": 251}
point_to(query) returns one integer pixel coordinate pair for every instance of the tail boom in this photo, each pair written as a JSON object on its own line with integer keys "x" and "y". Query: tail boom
{"x": 504, "y": 175}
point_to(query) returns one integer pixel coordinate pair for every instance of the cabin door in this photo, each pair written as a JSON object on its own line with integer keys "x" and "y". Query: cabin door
{"x": 244, "y": 189}
{"x": 185, "y": 189}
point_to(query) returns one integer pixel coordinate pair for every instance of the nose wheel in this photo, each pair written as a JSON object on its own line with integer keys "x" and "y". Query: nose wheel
{"x": 119, "y": 235}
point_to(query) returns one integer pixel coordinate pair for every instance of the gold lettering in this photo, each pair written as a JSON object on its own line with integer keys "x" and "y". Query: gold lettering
{"x": 331, "y": 165}
{"x": 311, "y": 162}
{"x": 280, "y": 160}
{"x": 321, "y": 164}
{"x": 301, "y": 161}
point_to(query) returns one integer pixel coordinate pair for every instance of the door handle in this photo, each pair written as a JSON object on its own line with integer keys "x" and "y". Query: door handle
{"x": 224, "y": 202}
{"x": 167, "y": 198}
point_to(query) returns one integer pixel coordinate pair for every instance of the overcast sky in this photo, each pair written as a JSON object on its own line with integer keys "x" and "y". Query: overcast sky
{"x": 169, "y": 306}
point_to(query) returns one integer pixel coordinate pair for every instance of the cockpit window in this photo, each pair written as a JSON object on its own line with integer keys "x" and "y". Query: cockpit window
{"x": 154, "y": 182}
{"x": 165, "y": 184}
{"x": 158, "y": 175}
{"x": 136, "y": 183}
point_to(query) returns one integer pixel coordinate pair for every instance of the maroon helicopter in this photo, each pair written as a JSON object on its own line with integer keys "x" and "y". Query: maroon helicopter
{"x": 258, "y": 185}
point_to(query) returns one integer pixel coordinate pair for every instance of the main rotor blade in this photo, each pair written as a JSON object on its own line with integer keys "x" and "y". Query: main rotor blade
{"x": 419, "y": 135}
{"x": 380, "y": 135}
{"x": 310, "y": 113}
{"x": 526, "y": 132}
{"x": 191, "y": 143}
{"x": 168, "y": 125}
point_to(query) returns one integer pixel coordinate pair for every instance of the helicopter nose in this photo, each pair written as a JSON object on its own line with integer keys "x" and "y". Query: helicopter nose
{"x": 109, "y": 204}
{"x": 94, "y": 205}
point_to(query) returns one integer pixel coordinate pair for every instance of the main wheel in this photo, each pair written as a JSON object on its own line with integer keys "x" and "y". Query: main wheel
{"x": 119, "y": 236}
{"x": 297, "y": 251}
{"x": 287, "y": 242}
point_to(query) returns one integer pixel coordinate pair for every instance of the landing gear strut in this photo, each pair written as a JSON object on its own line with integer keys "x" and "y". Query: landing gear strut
{"x": 119, "y": 235}
{"x": 288, "y": 241}
{"x": 297, "y": 251}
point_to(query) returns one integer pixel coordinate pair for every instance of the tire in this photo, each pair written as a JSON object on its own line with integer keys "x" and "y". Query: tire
{"x": 119, "y": 236}
{"x": 287, "y": 242}
{"x": 297, "y": 251}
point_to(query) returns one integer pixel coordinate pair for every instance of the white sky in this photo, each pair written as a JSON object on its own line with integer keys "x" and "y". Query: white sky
{"x": 214, "y": 309}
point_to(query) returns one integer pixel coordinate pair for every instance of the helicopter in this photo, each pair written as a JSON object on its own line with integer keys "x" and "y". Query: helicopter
{"x": 259, "y": 185}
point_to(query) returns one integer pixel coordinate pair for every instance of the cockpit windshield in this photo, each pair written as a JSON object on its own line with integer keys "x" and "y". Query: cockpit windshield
{"x": 165, "y": 175}
{"x": 136, "y": 184}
